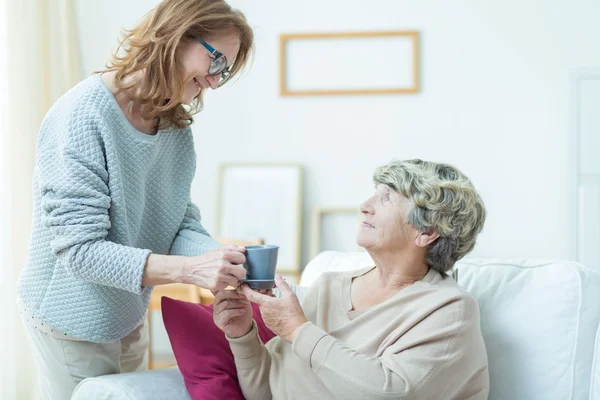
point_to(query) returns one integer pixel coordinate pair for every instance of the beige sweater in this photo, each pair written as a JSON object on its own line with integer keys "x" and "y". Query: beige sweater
{"x": 423, "y": 343}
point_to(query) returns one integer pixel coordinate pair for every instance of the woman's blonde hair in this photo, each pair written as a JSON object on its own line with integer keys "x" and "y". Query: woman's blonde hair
{"x": 443, "y": 199}
{"x": 153, "y": 45}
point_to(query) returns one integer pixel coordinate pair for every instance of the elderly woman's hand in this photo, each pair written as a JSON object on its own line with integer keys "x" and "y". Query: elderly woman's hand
{"x": 232, "y": 313}
{"x": 282, "y": 315}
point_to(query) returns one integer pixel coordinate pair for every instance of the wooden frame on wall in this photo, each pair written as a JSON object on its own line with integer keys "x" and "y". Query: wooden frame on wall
{"x": 263, "y": 200}
{"x": 319, "y": 214}
{"x": 403, "y": 78}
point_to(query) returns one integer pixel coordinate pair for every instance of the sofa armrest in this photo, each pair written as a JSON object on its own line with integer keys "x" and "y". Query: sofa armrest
{"x": 158, "y": 384}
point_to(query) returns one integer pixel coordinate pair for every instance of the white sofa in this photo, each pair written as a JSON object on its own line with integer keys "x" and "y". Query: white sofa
{"x": 540, "y": 321}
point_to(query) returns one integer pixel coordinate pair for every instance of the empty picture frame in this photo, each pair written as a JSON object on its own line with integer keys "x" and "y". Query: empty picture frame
{"x": 335, "y": 229}
{"x": 353, "y": 63}
{"x": 263, "y": 201}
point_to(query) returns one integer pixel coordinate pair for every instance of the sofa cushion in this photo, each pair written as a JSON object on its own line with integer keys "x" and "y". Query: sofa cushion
{"x": 148, "y": 385}
{"x": 202, "y": 351}
{"x": 539, "y": 321}
{"x": 596, "y": 370}
{"x": 334, "y": 261}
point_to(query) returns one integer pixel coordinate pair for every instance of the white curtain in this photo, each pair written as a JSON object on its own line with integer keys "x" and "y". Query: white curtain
{"x": 7, "y": 377}
{"x": 42, "y": 63}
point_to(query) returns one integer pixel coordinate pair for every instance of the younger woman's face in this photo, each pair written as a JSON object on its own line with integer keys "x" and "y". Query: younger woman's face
{"x": 195, "y": 60}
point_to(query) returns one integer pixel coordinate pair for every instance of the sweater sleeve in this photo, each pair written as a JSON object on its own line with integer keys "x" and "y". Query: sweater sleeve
{"x": 405, "y": 371}
{"x": 75, "y": 201}
{"x": 192, "y": 239}
{"x": 253, "y": 364}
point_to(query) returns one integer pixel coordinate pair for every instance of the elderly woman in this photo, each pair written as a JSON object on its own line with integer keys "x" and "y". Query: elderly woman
{"x": 399, "y": 329}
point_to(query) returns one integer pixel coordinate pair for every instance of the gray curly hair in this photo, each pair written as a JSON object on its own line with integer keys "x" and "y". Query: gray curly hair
{"x": 443, "y": 199}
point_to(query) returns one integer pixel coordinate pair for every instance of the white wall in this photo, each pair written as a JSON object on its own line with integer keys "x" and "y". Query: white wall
{"x": 494, "y": 102}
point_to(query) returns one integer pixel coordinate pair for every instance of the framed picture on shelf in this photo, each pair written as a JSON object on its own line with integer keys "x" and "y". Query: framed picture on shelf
{"x": 335, "y": 229}
{"x": 260, "y": 200}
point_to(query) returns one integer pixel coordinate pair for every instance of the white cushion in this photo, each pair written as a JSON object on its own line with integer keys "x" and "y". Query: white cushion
{"x": 540, "y": 322}
{"x": 327, "y": 261}
{"x": 596, "y": 370}
{"x": 158, "y": 384}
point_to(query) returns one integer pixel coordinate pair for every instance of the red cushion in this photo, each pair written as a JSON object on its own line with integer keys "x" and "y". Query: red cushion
{"x": 202, "y": 351}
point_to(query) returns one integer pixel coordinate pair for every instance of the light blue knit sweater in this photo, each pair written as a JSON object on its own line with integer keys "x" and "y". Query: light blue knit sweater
{"x": 105, "y": 197}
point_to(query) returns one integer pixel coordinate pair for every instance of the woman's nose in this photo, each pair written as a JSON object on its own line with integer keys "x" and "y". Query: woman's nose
{"x": 366, "y": 208}
{"x": 213, "y": 80}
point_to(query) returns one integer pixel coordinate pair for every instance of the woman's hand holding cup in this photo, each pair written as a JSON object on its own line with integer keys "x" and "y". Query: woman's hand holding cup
{"x": 216, "y": 269}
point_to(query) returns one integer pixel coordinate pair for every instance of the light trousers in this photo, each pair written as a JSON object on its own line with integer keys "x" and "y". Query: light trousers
{"x": 62, "y": 364}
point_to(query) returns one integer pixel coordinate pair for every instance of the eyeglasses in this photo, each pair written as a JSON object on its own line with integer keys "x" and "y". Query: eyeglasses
{"x": 218, "y": 65}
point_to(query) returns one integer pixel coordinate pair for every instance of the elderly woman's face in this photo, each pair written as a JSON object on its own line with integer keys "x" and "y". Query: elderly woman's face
{"x": 385, "y": 225}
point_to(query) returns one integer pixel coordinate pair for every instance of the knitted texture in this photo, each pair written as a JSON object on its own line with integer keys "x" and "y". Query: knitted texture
{"x": 105, "y": 197}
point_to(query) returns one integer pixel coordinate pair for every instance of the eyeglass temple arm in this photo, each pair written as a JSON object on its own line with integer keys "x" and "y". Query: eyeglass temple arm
{"x": 206, "y": 45}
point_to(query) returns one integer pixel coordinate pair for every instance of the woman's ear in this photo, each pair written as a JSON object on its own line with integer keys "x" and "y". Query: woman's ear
{"x": 427, "y": 237}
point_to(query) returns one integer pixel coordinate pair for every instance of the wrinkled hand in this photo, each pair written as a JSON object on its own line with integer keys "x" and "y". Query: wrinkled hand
{"x": 282, "y": 315}
{"x": 216, "y": 269}
{"x": 232, "y": 313}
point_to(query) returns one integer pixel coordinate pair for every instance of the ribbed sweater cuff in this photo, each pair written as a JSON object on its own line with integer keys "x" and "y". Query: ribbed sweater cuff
{"x": 190, "y": 244}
